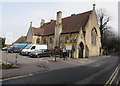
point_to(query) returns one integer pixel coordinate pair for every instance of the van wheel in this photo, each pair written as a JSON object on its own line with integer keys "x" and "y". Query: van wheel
{"x": 28, "y": 54}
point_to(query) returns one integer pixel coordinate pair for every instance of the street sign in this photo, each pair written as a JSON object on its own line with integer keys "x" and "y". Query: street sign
{"x": 68, "y": 46}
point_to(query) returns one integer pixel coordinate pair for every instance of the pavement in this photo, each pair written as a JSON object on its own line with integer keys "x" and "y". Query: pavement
{"x": 29, "y": 65}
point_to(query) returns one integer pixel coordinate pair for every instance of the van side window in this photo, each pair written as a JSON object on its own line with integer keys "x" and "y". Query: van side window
{"x": 33, "y": 47}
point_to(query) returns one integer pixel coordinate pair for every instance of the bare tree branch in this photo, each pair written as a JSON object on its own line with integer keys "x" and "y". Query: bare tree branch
{"x": 103, "y": 20}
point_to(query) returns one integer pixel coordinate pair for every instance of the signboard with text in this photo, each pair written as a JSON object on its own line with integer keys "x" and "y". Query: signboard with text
{"x": 68, "y": 46}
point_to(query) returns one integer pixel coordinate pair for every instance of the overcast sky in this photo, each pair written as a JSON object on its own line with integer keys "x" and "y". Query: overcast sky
{"x": 16, "y": 16}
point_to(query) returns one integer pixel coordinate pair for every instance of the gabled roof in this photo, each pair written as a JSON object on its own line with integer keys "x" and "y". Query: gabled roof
{"x": 69, "y": 24}
{"x": 22, "y": 39}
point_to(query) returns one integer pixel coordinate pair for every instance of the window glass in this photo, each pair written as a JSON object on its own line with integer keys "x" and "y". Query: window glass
{"x": 93, "y": 36}
{"x": 38, "y": 40}
{"x": 27, "y": 47}
{"x": 51, "y": 40}
{"x": 33, "y": 47}
{"x": 45, "y": 41}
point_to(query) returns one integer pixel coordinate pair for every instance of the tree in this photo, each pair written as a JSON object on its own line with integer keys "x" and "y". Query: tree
{"x": 111, "y": 41}
{"x": 103, "y": 20}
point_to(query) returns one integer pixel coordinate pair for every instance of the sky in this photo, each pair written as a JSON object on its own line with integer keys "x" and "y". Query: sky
{"x": 15, "y": 17}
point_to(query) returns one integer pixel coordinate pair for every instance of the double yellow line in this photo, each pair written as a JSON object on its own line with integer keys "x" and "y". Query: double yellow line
{"x": 110, "y": 80}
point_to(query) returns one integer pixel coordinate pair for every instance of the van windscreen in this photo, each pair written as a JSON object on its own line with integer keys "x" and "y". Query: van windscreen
{"x": 27, "y": 47}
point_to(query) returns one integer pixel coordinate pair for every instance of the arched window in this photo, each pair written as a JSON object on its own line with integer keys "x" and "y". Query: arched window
{"x": 38, "y": 40}
{"x": 93, "y": 36}
{"x": 44, "y": 41}
{"x": 66, "y": 39}
{"x": 51, "y": 40}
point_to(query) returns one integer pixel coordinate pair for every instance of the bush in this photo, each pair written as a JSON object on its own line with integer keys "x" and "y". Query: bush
{"x": 9, "y": 66}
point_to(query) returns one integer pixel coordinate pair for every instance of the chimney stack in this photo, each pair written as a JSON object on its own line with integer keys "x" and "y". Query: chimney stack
{"x": 30, "y": 24}
{"x": 42, "y": 22}
{"x": 58, "y": 29}
{"x": 59, "y": 18}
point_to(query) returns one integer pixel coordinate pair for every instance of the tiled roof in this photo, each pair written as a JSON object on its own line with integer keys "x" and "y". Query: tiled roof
{"x": 22, "y": 39}
{"x": 69, "y": 24}
{"x": 37, "y": 31}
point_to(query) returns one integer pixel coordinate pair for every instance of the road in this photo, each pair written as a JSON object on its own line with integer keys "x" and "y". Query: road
{"x": 97, "y": 72}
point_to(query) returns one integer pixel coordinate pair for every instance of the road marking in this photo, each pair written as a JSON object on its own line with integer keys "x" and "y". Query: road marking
{"x": 113, "y": 76}
{"x": 16, "y": 77}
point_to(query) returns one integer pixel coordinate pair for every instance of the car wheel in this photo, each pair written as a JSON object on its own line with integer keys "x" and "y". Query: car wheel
{"x": 12, "y": 51}
{"x": 38, "y": 56}
{"x": 50, "y": 55}
{"x": 8, "y": 51}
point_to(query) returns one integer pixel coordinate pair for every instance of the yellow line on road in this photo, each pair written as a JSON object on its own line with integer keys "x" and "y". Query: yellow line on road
{"x": 112, "y": 76}
{"x": 16, "y": 77}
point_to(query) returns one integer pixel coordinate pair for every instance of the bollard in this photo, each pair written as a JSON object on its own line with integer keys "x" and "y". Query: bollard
{"x": 55, "y": 58}
{"x": 16, "y": 59}
{"x": 6, "y": 58}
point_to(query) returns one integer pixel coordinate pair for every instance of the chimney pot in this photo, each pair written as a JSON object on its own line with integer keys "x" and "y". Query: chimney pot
{"x": 94, "y": 6}
{"x": 42, "y": 22}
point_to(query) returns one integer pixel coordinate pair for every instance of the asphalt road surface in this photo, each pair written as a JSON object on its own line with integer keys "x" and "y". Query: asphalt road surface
{"x": 104, "y": 71}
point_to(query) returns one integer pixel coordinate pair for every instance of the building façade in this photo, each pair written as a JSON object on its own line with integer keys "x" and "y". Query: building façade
{"x": 79, "y": 30}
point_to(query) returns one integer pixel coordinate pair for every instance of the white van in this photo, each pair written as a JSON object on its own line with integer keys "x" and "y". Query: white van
{"x": 31, "y": 48}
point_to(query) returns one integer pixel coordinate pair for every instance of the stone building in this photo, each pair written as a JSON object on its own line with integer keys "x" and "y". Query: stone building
{"x": 79, "y": 30}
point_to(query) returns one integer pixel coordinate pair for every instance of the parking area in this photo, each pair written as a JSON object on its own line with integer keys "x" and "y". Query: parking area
{"x": 28, "y": 65}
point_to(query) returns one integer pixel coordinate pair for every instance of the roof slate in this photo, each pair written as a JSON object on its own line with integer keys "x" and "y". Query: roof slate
{"x": 22, "y": 39}
{"x": 69, "y": 24}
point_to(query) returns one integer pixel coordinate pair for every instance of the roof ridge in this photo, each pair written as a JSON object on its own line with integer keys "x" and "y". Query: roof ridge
{"x": 78, "y": 14}
{"x": 67, "y": 17}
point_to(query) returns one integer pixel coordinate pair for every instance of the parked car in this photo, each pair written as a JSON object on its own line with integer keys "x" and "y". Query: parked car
{"x": 32, "y": 48}
{"x": 105, "y": 53}
{"x": 5, "y": 48}
{"x": 41, "y": 53}
{"x": 16, "y": 48}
